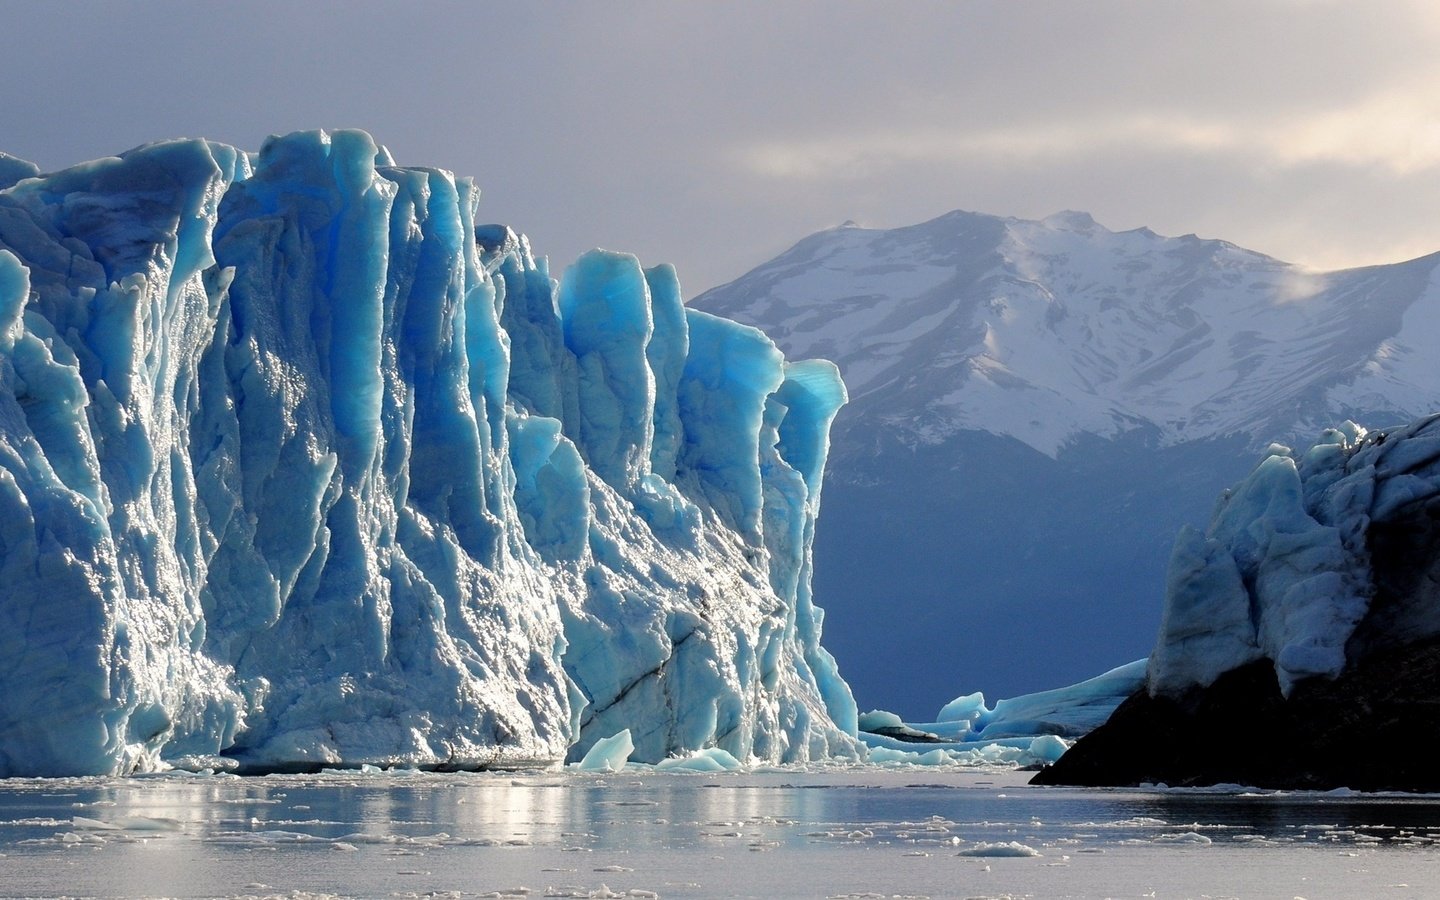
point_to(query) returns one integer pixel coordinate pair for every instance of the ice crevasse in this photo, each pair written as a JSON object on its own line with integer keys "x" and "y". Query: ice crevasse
{"x": 301, "y": 466}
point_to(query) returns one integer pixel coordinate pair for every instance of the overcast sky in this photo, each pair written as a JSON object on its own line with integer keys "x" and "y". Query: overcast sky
{"x": 716, "y": 135}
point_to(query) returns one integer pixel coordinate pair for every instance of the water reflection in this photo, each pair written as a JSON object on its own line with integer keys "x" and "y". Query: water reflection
{"x": 212, "y": 836}
{"x": 1304, "y": 817}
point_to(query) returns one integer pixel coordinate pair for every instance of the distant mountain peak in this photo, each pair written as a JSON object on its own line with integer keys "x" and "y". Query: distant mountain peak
{"x": 1047, "y": 330}
{"x": 1071, "y": 220}
{"x": 1145, "y": 370}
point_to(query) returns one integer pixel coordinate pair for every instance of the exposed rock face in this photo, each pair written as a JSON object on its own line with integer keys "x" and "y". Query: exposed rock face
{"x": 1300, "y": 628}
{"x": 1240, "y": 730}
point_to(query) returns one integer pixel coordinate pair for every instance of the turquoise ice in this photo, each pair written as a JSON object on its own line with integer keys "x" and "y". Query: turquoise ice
{"x": 302, "y": 466}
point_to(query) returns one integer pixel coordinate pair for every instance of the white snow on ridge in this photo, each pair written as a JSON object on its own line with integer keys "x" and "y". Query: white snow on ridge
{"x": 1046, "y": 330}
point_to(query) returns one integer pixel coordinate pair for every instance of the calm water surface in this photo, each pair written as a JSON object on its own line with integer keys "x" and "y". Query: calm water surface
{"x": 834, "y": 833}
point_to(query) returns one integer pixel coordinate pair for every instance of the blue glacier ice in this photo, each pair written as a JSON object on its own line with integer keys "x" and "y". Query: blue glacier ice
{"x": 301, "y": 465}
{"x": 1032, "y": 729}
{"x": 608, "y": 754}
{"x": 1284, "y": 572}
{"x": 1068, "y": 711}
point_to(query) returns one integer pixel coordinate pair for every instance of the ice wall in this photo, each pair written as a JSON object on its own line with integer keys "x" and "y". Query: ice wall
{"x": 1287, "y": 570}
{"x": 301, "y": 466}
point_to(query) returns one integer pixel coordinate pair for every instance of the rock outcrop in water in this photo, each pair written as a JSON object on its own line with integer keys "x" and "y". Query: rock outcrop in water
{"x": 1241, "y": 730}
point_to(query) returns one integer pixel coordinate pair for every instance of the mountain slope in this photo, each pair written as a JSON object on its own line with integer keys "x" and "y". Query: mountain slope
{"x": 1037, "y": 406}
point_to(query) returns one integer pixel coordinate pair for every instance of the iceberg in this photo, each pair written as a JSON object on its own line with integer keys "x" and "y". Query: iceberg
{"x": 1284, "y": 572}
{"x": 1029, "y": 730}
{"x": 608, "y": 754}
{"x": 302, "y": 466}
{"x": 1306, "y": 616}
{"x": 711, "y": 759}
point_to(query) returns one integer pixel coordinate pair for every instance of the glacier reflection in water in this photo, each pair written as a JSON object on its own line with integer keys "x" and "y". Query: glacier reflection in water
{"x": 821, "y": 833}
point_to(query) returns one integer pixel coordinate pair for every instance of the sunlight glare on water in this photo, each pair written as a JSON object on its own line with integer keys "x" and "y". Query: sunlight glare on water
{"x": 852, "y": 832}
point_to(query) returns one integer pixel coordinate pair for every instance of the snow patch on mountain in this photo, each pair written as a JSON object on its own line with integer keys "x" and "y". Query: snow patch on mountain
{"x": 1047, "y": 330}
{"x": 1038, "y": 406}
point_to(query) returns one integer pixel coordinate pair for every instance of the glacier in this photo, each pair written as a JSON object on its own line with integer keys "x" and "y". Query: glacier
{"x": 1306, "y": 617}
{"x": 303, "y": 466}
{"x": 1286, "y": 573}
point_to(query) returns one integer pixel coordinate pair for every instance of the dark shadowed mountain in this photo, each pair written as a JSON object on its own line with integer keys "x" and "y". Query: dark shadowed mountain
{"x": 1036, "y": 407}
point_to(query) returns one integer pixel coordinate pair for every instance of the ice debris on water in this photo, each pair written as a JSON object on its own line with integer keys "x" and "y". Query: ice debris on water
{"x": 1184, "y": 837}
{"x": 709, "y": 759}
{"x": 1000, "y": 849}
{"x": 301, "y": 465}
{"x": 608, "y": 754}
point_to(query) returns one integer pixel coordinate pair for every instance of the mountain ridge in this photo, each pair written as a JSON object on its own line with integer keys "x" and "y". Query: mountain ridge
{"x": 1142, "y": 323}
{"x": 1037, "y": 406}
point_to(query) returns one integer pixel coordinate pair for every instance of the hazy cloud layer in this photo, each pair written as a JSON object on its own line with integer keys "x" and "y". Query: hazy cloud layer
{"x": 713, "y": 136}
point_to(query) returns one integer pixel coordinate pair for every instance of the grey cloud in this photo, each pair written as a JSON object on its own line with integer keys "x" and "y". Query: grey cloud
{"x": 627, "y": 124}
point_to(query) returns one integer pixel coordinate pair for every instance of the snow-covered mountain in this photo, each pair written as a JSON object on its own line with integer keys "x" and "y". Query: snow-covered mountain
{"x": 1036, "y": 407}
{"x": 300, "y": 466}
{"x": 1044, "y": 331}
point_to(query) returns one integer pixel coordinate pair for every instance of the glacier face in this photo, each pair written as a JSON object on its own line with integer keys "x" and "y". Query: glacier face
{"x": 1316, "y": 559}
{"x": 301, "y": 466}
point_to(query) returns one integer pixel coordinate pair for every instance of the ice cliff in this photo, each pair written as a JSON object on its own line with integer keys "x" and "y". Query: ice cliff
{"x": 1287, "y": 570}
{"x": 301, "y": 466}
{"x": 1306, "y": 618}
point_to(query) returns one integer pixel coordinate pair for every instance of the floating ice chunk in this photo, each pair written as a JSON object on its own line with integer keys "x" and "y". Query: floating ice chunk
{"x": 710, "y": 759}
{"x": 127, "y": 823}
{"x": 1183, "y": 837}
{"x": 1000, "y": 849}
{"x": 608, "y": 754}
{"x": 878, "y": 718}
{"x": 87, "y": 824}
{"x": 1047, "y": 748}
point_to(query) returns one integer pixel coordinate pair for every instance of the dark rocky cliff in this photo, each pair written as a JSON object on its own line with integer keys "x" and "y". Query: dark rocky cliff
{"x": 1368, "y": 726}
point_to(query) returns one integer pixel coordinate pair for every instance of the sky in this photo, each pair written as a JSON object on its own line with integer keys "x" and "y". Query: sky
{"x": 715, "y": 135}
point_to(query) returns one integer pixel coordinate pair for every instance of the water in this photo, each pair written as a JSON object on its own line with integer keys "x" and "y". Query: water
{"x": 828, "y": 833}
